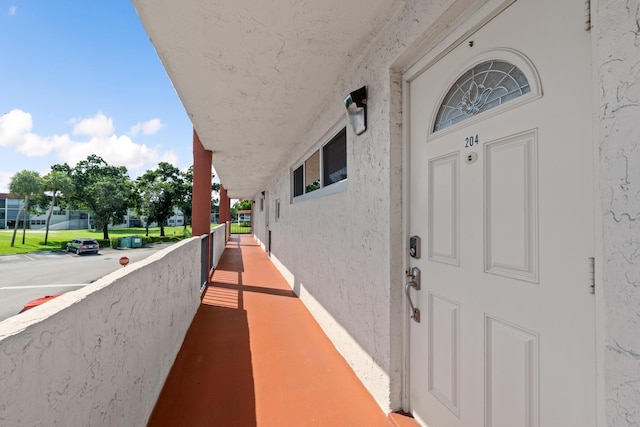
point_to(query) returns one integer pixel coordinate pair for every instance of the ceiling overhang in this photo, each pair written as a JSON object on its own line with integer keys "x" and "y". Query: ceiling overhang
{"x": 252, "y": 74}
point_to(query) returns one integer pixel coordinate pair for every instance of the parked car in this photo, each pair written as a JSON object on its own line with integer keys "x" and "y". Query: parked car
{"x": 80, "y": 246}
{"x": 37, "y": 302}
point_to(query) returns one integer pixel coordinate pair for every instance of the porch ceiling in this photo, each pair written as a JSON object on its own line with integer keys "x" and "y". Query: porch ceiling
{"x": 252, "y": 74}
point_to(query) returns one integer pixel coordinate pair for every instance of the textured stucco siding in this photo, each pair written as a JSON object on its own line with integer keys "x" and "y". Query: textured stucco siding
{"x": 99, "y": 356}
{"x": 618, "y": 44}
{"x": 342, "y": 253}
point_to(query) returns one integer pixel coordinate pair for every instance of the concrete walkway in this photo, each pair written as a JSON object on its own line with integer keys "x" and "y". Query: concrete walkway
{"x": 254, "y": 356}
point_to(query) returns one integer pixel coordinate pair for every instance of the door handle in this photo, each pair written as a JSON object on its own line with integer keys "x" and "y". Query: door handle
{"x": 414, "y": 282}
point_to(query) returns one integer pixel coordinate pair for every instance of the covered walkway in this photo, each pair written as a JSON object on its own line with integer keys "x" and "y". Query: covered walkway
{"x": 254, "y": 356}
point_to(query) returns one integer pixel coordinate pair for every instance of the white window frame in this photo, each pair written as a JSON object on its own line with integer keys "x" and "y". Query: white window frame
{"x": 336, "y": 187}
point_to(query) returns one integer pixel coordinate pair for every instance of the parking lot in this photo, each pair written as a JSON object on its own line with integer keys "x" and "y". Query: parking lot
{"x": 26, "y": 277}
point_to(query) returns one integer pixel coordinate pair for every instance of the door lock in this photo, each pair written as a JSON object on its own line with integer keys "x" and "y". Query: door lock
{"x": 414, "y": 246}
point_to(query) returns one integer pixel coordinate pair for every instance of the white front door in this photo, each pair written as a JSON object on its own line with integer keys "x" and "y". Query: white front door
{"x": 501, "y": 195}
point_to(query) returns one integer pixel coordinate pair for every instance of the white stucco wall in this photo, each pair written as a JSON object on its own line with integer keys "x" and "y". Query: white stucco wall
{"x": 618, "y": 45}
{"x": 99, "y": 356}
{"x": 342, "y": 253}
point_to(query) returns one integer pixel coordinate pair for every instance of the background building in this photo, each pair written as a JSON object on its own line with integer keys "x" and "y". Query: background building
{"x": 71, "y": 219}
{"x": 9, "y": 207}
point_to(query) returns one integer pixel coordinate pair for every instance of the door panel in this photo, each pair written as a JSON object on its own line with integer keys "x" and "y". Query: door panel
{"x": 444, "y": 351}
{"x": 443, "y": 215}
{"x": 512, "y": 375}
{"x": 511, "y": 207}
{"x": 504, "y": 205}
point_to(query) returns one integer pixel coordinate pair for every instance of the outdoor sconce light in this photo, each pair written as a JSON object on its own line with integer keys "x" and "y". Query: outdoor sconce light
{"x": 356, "y": 105}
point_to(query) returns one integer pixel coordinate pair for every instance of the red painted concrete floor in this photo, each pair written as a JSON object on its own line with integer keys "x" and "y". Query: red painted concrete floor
{"x": 254, "y": 356}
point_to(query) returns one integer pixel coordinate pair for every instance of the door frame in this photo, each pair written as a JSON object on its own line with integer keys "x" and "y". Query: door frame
{"x": 429, "y": 51}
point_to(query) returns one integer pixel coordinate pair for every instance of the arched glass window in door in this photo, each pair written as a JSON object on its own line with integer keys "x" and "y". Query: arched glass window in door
{"x": 481, "y": 88}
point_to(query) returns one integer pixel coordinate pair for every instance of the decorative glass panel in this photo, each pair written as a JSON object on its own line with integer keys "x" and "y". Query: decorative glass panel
{"x": 483, "y": 87}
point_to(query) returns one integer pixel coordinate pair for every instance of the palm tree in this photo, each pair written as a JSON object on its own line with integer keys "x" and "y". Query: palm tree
{"x": 57, "y": 183}
{"x": 25, "y": 184}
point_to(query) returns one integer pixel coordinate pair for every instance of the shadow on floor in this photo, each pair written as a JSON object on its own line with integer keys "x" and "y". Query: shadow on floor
{"x": 217, "y": 374}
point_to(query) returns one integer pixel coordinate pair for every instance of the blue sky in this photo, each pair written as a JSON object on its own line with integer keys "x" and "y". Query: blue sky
{"x": 80, "y": 77}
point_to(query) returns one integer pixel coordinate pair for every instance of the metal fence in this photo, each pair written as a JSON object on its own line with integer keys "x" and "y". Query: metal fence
{"x": 240, "y": 227}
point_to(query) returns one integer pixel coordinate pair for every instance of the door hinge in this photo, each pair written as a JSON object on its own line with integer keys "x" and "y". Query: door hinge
{"x": 592, "y": 275}
{"x": 587, "y": 18}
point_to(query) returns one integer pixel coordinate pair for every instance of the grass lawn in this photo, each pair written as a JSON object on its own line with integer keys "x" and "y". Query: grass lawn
{"x": 239, "y": 229}
{"x": 34, "y": 241}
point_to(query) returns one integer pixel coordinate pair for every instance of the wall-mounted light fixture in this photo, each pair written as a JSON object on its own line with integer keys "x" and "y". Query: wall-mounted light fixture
{"x": 356, "y": 105}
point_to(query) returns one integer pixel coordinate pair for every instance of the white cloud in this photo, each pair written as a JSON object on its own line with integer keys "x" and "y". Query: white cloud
{"x": 115, "y": 150}
{"x": 15, "y": 131}
{"x": 13, "y": 125}
{"x": 98, "y": 125}
{"x": 5, "y": 177}
{"x": 119, "y": 150}
{"x": 12, "y": 10}
{"x": 148, "y": 128}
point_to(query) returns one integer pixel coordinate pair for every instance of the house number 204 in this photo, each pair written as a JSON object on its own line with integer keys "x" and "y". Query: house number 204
{"x": 470, "y": 141}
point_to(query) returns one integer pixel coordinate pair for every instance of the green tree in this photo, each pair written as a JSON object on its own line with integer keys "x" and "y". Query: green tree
{"x": 215, "y": 203}
{"x": 242, "y": 205}
{"x": 56, "y": 183}
{"x": 146, "y": 197}
{"x": 104, "y": 190}
{"x": 159, "y": 191}
{"x": 185, "y": 204}
{"x": 25, "y": 184}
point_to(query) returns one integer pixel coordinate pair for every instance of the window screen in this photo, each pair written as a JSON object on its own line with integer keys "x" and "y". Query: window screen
{"x": 334, "y": 156}
{"x": 298, "y": 181}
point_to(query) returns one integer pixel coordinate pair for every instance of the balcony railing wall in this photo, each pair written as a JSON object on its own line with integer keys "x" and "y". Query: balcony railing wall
{"x": 100, "y": 355}
{"x": 218, "y": 241}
